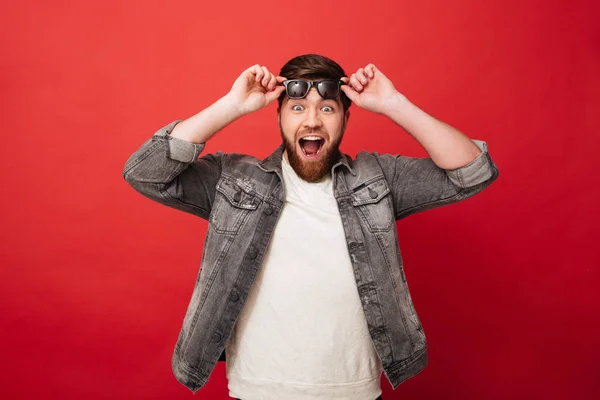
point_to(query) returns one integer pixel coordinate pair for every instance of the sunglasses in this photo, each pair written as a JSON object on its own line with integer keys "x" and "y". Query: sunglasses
{"x": 299, "y": 88}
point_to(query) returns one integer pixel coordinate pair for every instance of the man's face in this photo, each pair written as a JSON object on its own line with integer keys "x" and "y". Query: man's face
{"x": 312, "y": 130}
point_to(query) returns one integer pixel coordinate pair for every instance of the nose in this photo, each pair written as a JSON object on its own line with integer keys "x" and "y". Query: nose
{"x": 312, "y": 121}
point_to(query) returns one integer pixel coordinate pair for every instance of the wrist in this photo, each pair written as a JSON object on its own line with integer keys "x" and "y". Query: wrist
{"x": 231, "y": 107}
{"x": 397, "y": 103}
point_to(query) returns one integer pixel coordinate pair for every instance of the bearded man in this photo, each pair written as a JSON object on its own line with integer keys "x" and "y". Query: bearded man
{"x": 302, "y": 288}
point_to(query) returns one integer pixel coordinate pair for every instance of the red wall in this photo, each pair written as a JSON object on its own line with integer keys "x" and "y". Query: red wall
{"x": 95, "y": 278}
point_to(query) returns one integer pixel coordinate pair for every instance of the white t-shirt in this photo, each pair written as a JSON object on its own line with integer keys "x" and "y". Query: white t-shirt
{"x": 302, "y": 334}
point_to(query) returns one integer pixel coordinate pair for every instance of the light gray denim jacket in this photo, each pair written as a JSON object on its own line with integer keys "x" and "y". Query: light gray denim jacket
{"x": 242, "y": 198}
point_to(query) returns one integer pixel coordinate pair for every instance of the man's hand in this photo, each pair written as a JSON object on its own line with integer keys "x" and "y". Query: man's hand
{"x": 254, "y": 89}
{"x": 370, "y": 89}
{"x": 449, "y": 148}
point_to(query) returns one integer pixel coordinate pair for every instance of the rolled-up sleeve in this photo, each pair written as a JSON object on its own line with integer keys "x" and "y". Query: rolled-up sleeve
{"x": 418, "y": 184}
{"x": 477, "y": 171}
{"x": 179, "y": 149}
{"x": 167, "y": 169}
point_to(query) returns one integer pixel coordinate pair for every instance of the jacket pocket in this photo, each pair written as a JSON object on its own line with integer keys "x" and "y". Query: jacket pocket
{"x": 372, "y": 202}
{"x": 233, "y": 203}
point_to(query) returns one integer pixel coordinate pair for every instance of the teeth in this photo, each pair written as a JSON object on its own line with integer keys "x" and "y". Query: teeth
{"x": 311, "y": 138}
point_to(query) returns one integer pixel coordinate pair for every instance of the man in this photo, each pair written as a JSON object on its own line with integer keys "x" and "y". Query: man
{"x": 302, "y": 285}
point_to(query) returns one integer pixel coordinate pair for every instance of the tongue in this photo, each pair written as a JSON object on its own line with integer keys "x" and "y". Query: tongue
{"x": 311, "y": 146}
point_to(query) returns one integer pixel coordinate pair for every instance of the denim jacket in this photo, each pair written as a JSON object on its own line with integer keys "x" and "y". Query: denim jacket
{"x": 242, "y": 198}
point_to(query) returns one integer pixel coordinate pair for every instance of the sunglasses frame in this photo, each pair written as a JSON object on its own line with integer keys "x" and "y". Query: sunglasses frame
{"x": 315, "y": 84}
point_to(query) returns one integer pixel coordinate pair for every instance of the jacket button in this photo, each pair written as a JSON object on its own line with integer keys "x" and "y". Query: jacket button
{"x": 372, "y": 193}
{"x": 269, "y": 210}
{"x": 216, "y": 338}
{"x": 234, "y": 297}
{"x": 252, "y": 254}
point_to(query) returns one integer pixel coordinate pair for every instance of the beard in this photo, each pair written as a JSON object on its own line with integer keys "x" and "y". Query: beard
{"x": 312, "y": 170}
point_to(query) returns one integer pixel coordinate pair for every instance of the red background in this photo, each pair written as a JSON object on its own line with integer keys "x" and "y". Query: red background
{"x": 95, "y": 279}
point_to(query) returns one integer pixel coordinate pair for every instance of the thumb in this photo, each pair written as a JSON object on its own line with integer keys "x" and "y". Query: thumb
{"x": 274, "y": 94}
{"x": 351, "y": 93}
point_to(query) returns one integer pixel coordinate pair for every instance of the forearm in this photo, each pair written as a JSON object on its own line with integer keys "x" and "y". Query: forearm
{"x": 202, "y": 126}
{"x": 448, "y": 147}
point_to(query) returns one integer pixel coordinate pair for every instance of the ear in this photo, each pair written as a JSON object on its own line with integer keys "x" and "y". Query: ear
{"x": 346, "y": 118}
{"x": 278, "y": 115}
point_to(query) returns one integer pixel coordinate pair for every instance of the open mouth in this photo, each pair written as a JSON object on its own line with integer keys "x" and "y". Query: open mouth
{"x": 311, "y": 146}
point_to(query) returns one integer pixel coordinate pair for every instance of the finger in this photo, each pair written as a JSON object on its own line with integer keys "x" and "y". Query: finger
{"x": 360, "y": 75}
{"x": 274, "y": 94}
{"x": 351, "y": 93}
{"x": 252, "y": 69}
{"x": 355, "y": 83}
{"x": 370, "y": 69}
{"x": 266, "y": 77}
{"x": 345, "y": 79}
{"x": 259, "y": 73}
{"x": 250, "y": 72}
{"x": 272, "y": 82}
{"x": 279, "y": 81}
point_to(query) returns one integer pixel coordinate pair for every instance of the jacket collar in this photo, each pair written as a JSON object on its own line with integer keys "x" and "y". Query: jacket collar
{"x": 272, "y": 163}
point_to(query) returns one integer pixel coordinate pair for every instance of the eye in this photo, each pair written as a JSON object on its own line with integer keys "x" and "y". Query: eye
{"x": 327, "y": 108}
{"x": 297, "y": 107}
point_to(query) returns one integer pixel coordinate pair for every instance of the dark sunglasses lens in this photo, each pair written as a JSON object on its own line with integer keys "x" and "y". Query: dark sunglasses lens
{"x": 328, "y": 89}
{"x": 297, "y": 89}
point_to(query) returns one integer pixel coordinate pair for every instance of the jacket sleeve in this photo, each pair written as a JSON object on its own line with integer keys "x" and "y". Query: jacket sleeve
{"x": 418, "y": 184}
{"x": 167, "y": 170}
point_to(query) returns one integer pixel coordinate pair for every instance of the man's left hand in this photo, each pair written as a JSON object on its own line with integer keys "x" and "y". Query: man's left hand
{"x": 370, "y": 89}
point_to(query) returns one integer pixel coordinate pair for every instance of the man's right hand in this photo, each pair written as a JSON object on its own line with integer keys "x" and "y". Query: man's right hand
{"x": 254, "y": 89}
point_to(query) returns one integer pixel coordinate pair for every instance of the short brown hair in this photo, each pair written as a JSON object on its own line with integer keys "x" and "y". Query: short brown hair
{"x": 312, "y": 67}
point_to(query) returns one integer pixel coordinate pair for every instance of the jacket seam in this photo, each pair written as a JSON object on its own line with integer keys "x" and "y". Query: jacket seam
{"x": 368, "y": 182}
{"x": 402, "y": 365}
{"x": 196, "y": 376}
{"x": 208, "y": 287}
{"x": 249, "y": 191}
{"x": 163, "y": 191}
{"x": 412, "y": 209}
